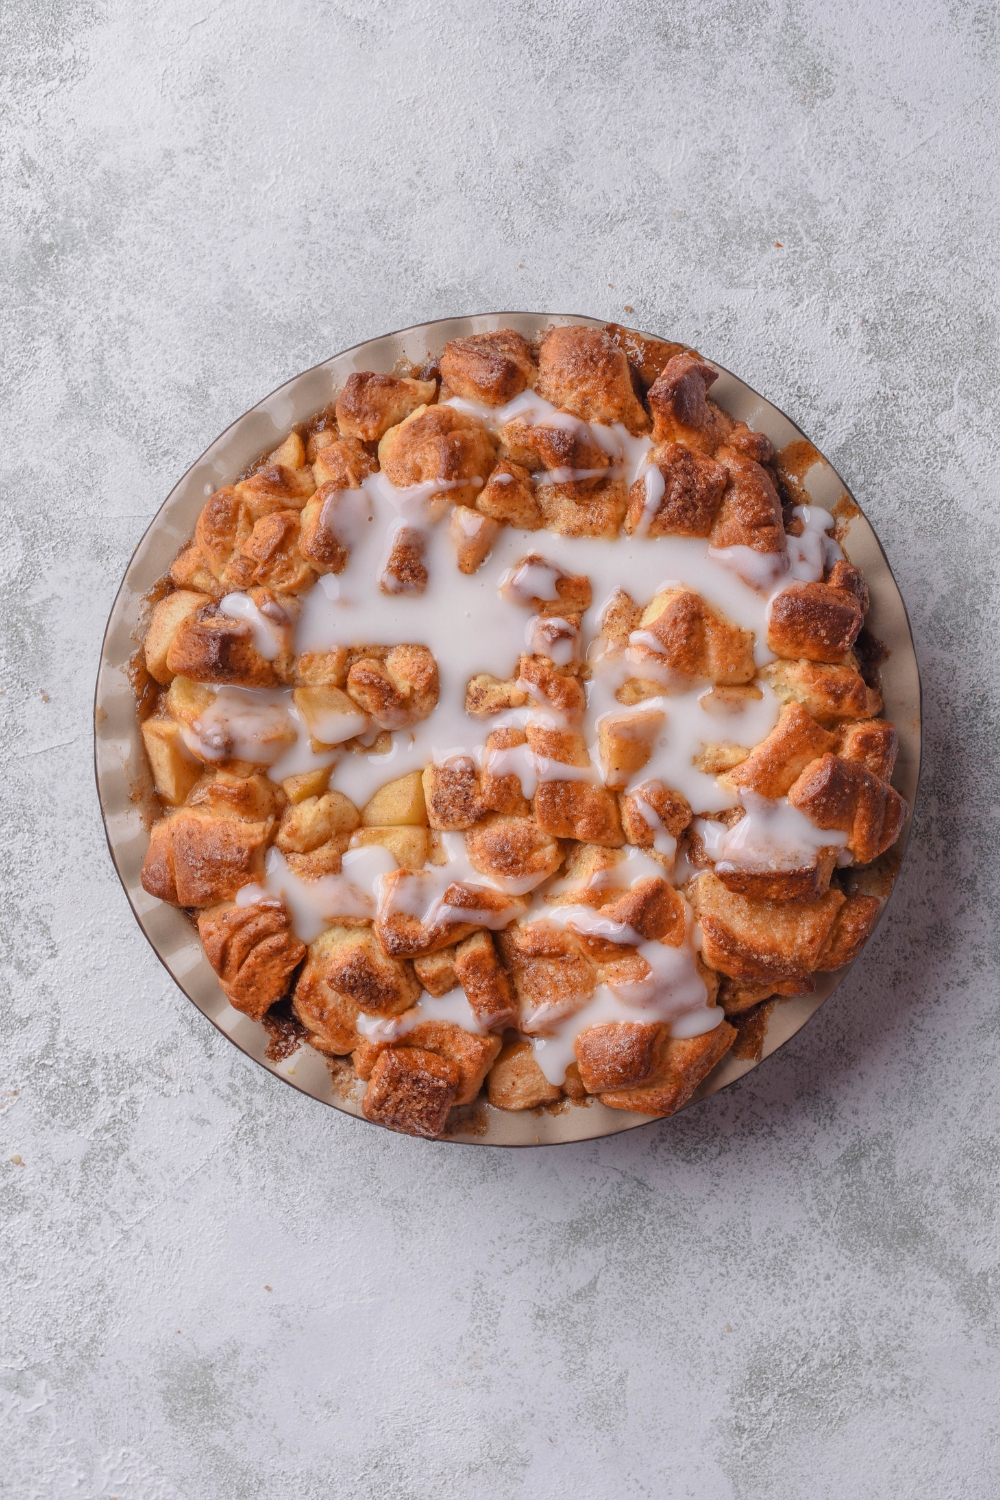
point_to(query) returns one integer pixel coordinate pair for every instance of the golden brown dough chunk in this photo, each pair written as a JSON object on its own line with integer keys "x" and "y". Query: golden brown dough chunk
{"x": 515, "y": 852}
{"x": 751, "y": 1032}
{"x": 545, "y": 588}
{"x": 328, "y": 1015}
{"x": 378, "y": 984}
{"x": 405, "y": 571}
{"x": 694, "y": 640}
{"x": 749, "y": 444}
{"x": 621, "y": 615}
{"x": 578, "y": 810}
{"x": 552, "y": 978}
{"x": 626, "y": 741}
{"x": 486, "y": 695}
{"x": 682, "y": 410}
{"x": 509, "y": 496}
{"x": 272, "y": 549}
{"x": 452, "y": 795}
{"x": 619, "y": 1054}
{"x": 587, "y": 879}
{"x": 829, "y": 693}
{"x": 485, "y": 981}
{"x": 599, "y": 512}
{"x": 583, "y": 371}
{"x": 773, "y": 765}
{"x": 253, "y": 798}
{"x": 843, "y": 794}
{"x": 558, "y": 443}
{"x": 189, "y": 570}
{"x": 348, "y": 962}
{"x": 850, "y": 932}
{"x": 805, "y": 884}
{"x": 226, "y": 521}
{"x": 323, "y": 668}
{"x": 253, "y": 950}
{"x": 411, "y": 1090}
{"x": 436, "y": 971}
{"x": 814, "y": 621}
{"x": 471, "y": 1054}
{"x": 652, "y": 908}
{"x": 566, "y": 746}
{"x": 737, "y": 996}
{"x": 873, "y": 745}
{"x": 216, "y": 648}
{"x": 370, "y": 404}
{"x": 195, "y": 859}
{"x": 750, "y": 513}
{"x": 749, "y": 939}
{"x": 685, "y": 1062}
{"x": 283, "y": 476}
{"x": 517, "y": 1082}
{"x": 489, "y": 367}
{"x": 670, "y": 808}
{"x": 343, "y": 464}
{"x": 395, "y": 692}
{"x": 692, "y": 494}
{"x": 325, "y": 527}
{"x": 314, "y": 821}
{"x": 551, "y": 687}
{"x": 463, "y": 908}
{"x": 850, "y": 580}
{"x": 439, "y": 443}
{"x": 502, "y": 793}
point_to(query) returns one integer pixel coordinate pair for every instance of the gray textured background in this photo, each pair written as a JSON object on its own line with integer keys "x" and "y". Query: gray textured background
{"x": 215, "y": 1289}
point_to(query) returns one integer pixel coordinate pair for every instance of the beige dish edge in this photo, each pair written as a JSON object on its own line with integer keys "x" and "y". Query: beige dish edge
{"x": 119, "y": 757}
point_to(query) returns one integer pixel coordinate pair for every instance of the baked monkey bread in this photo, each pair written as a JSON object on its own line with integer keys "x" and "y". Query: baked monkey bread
{"x": 517, "y": 734}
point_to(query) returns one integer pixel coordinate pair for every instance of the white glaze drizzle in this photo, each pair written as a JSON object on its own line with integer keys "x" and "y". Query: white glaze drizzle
{"x": 771, "y": 835}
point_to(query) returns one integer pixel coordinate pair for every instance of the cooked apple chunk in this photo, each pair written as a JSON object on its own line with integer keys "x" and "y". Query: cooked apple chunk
{"x": 517, "y": 1082}
{"x": 330, "y": 715}
{"x": 167, "y": 618}
{"x": 398, "y": 803}
{"x": 174, "y": 768}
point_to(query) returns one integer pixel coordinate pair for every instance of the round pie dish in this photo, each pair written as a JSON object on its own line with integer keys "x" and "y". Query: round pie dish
{"x": 125, "y": 789}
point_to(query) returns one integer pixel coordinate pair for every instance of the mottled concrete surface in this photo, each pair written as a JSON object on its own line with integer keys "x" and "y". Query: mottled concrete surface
{"x": 215, "y": 1289}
